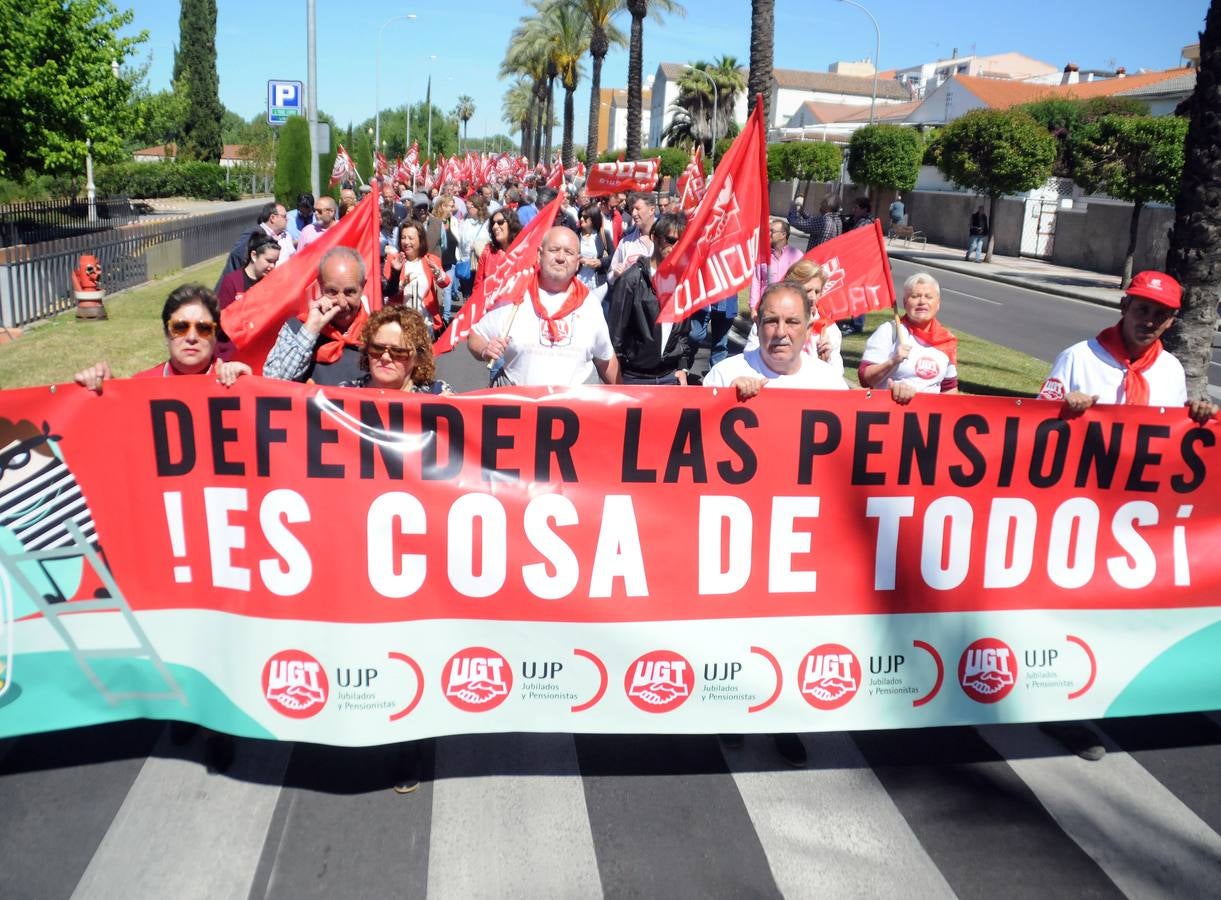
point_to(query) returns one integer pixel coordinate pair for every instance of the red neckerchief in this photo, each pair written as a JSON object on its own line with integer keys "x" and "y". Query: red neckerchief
{"x": 577, "y": 292}
{"x": 1135, "y": 386}
{"x": 934, "y": 334}
{"x": 330, "y": 351}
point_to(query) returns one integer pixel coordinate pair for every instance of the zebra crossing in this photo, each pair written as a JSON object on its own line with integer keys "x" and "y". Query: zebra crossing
{"x": 998, "y": 811}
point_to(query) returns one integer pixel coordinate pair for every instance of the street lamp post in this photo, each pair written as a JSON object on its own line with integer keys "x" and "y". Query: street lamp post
{"x": 431, "y": 59}
{"x": 377, "y": 83}
{"x": 715, "y": 102}
{"x": 877, "y": 50}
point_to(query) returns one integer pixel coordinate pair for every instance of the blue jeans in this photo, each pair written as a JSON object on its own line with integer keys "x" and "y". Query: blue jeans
{"x": 710, "y": 328}
{"x": 447, "y": 294}
{"x": 977, "y": 246}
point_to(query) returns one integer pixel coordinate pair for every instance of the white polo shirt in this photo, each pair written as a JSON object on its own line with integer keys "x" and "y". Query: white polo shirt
{"x": 925, "y": 367}
{"x": 814, "y": 374}
{"x": 1088, "y": 368}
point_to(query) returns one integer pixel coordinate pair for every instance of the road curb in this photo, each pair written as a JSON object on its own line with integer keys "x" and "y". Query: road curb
{"x": 948, "y": 266}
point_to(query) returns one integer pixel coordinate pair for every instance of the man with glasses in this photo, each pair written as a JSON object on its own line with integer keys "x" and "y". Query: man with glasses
{"x": 324, "y": 346}
{"x": 557, "y": 334}
{"x": 273, "y": 221}
{"x": 325, "y": 216}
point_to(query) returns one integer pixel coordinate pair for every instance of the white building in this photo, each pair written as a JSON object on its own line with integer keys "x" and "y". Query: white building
{"x": 923, "y": 78}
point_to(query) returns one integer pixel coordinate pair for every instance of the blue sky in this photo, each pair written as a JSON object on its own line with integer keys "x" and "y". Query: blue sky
{"x": 258, "y": 41}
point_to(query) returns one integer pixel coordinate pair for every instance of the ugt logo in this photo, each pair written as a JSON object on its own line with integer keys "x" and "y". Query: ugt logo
{"x": 477, "y": 679}
{"x": 295, "y": 684}
{"x": 659, "y": 681}
{"x": 987, "y": 670}
{"x": 829, "y": 676}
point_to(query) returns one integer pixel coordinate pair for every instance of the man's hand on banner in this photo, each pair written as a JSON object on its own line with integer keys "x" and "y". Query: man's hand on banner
{"x": 748, "y": 387}
{"x": 93, "y": 376}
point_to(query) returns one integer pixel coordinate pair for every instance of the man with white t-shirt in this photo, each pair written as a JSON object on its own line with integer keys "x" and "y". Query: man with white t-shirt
{"x": 1126, "y": 362}
{"x": 557, "y": 334}
{"x": 784, "y": 323}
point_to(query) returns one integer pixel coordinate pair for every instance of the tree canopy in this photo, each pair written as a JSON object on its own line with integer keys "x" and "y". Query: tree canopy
{"x": 57, "y": 84}
{"x": 885, "y": 156}
{"x": 1063, "y": 118}
{"x": 1136, "y": 158}
{"x": 996, "y": 152}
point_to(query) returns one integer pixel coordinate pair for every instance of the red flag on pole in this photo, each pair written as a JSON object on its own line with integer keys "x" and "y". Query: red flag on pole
{"x": 726, "y": 237}
{"x": 693, "y": 183}
{"x": 380, "y": 166}
{"x": 555, "y": 178}
{"x": 858, "y": 273}
{"x": 253, "y": 321}
{"x": 343, "y": 168}
{"x": 610, "y": 177}
{"x": 506, "y": 283}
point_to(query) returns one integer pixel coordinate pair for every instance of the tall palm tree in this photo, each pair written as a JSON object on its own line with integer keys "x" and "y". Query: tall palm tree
{"x": 603, "y": 34}
{"x": 639, "y": 9}
{"x": 517, "y": 110}
{"x": 1195, "y": 241}
{"x": 568, "y": 34}
{"x": 464, "y": 111}
{"x": 762, "y": 37}
{"x": 527, "y": 55}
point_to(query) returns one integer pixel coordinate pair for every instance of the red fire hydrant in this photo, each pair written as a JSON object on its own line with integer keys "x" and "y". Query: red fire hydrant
{"x": 87, "y": 288}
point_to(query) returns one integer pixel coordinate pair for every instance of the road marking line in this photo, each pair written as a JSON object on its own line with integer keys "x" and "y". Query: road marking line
{"x": 834, "y": 829}
{"x": 972, "y": 296}
{"x": 1146, "y": 840}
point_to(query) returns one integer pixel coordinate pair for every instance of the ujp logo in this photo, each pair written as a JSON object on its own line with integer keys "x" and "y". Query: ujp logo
{"x": 477, "y": 679}
{"x": 295, "y": 684}
{"x": 829, "y": 676}
{"x": 659, "y": 681}
{"x": 987, "y": 670}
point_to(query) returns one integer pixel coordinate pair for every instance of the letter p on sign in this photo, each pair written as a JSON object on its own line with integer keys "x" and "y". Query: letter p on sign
{"x": 284, "y": 99}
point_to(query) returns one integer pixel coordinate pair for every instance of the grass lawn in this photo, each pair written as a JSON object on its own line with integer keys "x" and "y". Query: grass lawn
{"x": 130, "y": 340}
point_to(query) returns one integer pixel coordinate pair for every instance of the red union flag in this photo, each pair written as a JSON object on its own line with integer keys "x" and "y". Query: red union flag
{"x": 507, "y": 281}
{"x": 858, "y": 273}
{"x": 555, "y": 178}
{"x": 631, "y": 175}
{"x": 343, "y": 168}
{"x": 716, "y": 256}
{"x": 253, "y": 321}
{"x": 412, "y": 159}
{"x": 693, "y": 183}
{"x": 380, "y": 166}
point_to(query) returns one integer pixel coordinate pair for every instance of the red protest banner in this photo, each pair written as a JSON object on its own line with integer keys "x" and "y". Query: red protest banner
{"x": 253, "y": 321}
{"x": 633, "y": 175}
{"x": 858, "y": 273}
{"x": 693, "y": 183}
{"x": 253, "y": 535}
{"x": 716, "y": 255}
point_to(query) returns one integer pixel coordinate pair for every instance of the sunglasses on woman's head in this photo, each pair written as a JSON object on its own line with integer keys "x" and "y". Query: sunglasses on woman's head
{"x": 180, "y": 327}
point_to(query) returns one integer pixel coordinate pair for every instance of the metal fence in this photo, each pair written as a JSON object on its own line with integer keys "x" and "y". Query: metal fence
{"x": 37, "y": 221}
{"x": 36, "y": 282}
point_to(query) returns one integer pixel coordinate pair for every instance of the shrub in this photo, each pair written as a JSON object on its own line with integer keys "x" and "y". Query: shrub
{"x": 198, "y": 180}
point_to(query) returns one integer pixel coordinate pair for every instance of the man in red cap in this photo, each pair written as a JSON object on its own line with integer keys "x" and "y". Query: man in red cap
{"x": 1126, "y": 362}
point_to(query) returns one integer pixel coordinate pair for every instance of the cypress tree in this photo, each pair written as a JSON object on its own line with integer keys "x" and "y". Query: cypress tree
{"x": 196, "y": 63}
{"x": 292, "y": 162}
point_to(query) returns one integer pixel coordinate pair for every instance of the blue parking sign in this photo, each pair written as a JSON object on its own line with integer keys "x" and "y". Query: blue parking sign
{"x": 284, "y": 99}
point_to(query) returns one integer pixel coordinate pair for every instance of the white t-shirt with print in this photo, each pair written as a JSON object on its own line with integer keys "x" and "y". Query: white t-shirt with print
{"x": 1088, "y": 368}
{"x": 925, "y": 367}
{"x": 814, "y": 374}
{"x": 531, "y": 358}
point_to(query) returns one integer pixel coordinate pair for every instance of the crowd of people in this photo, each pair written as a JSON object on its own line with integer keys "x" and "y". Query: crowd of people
{"x": 591, "y": 309}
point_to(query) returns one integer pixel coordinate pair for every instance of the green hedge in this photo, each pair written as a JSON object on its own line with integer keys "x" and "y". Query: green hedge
{"x": 198, "y": 180}
{"x": 803, "y": 160}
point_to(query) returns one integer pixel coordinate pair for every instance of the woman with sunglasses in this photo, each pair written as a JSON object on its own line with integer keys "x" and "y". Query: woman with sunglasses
{"x": 649, "y": 353}
{"x": 262, "y": 255}
{"x": 595, "y": 258}
{"x": 191, "y": 322}
{"x": 398, "y": 354}
{"x": 413, "y": 277}
{"x": 503, "y": 226}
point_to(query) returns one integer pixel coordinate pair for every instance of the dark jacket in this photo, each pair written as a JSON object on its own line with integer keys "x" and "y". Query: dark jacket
{"x": 979, "y": 224}
{"x": 634, "y": 331}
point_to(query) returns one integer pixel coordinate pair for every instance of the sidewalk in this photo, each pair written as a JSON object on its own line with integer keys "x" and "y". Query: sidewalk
{"x": 1036, "y": 274}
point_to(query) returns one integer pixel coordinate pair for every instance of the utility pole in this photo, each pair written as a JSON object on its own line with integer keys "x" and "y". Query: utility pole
{"x": 311, "y": 94}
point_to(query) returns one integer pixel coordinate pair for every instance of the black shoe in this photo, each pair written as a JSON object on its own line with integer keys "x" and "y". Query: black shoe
{"x": 1076, "y": 738}
{"x": 219, "y": 751}
{"x": 733, "y": 741}
{"x": 792, "y": 749}
{"x": 410, "y": 764}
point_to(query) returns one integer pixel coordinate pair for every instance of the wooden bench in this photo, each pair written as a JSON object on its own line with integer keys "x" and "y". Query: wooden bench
{"x": 906, "y": 234}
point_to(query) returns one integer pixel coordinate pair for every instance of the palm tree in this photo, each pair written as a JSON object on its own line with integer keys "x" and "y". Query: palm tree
{"x": 603, "y": 34}
{"x": 1195, "y": 241}
{"x": 762, "y": 36}
{"x": 568, "y": 33}
{"x": 527, "y": 55}
{"x": 517, "y": 110}
{"x": 635, "y": 61}
{"x": 692, "y": 109}
{"x": 464, "y": 111}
